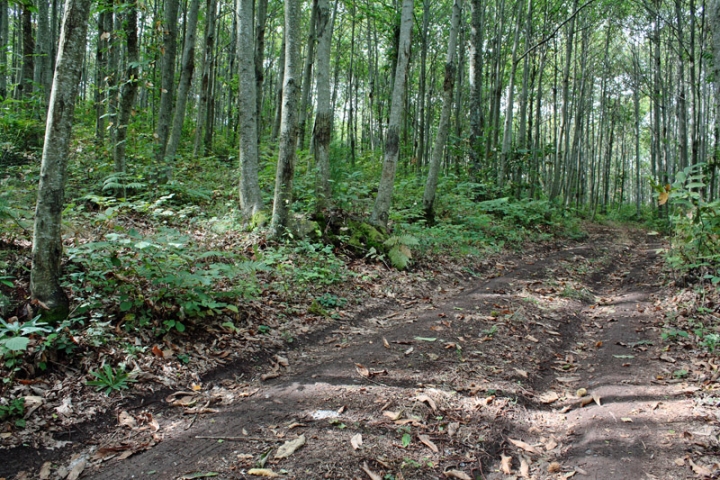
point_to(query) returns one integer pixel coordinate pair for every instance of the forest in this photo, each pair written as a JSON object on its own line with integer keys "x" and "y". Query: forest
{"x": 421, "y": 210}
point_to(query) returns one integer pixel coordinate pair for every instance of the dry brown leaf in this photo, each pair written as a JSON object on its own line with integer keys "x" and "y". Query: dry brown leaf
{"x": 524, "y": 468}
{"x": 596, "y": 398}
{"x": 453, "y": 428}
{"x": 262, "y": 472}
{"x": 370, "y": 473}
{"x": 554, "y": 467}
{"x": 525, "y": 446}
{"x": 568, "y": 379}
{"x": 549, "y": 397}
{"x": 126, "y": 420}
{"x": 385, "y": 343}
{"x": 522, "y": 373}
{"x": 457, "y": 474}
{"x": 506, "y": 464}
{"x": 78, "y": 467}
{"x": 426, "y": 399}
{"x": 426, "y": 440}
{"x": 356, "y": 441}
{"x": 157, "y": 351}
{"x": 551, "y": 444}
{"x": 585, "y": 401}
{"x": 581, "y": 392}
{"x": 680, "y": 462}
{"x": 362, "y": 370}
{"x": 667, "y": 358}
{"x": 289, "y": 447}
{"x": 626, "y": 420}
{"x": 45, "y": 471}
{"x": 282, "y": 361}
{"x": 699, "y": 469}
{"x": 392, "y": 415}
{"x": 409, "y": 351}
{"x": 532, "y": 339}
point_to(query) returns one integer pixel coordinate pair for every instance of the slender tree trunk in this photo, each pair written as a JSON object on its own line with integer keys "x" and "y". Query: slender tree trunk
{"x": 47, "y": 239}
{"x": 25, "y": 85}
{"x": 510, "y": 105}
{"x": 443, "y": 128}
{"x": 381, "y": 210}
{"x": 279, "y": 91}
{"x": 288, "y": 123}
{"x": 250, "y": 196}
{"x": 420, "y": 113}
{"x": 681, "y": 108}
{"x": 477, "y": 40}
{"x": 307, "y": 77}
{"x": 167, "y": 81}
{"x": 205, "y": 81}
{"x": 260, "y": 26}
{"x": 101, "y": 67}
{"x": 129, "y": 87}
{"x": 42, "y": 74}
{"x": 186, "y": 73}
{"x": 4, "y": 31}
{"x": 322, "y": 132}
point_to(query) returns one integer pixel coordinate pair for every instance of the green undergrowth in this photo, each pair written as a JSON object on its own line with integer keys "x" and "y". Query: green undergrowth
{"x": 157, "y": 259}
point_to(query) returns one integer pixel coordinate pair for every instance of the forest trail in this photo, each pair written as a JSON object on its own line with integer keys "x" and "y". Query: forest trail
{"x": 484, "y": 380}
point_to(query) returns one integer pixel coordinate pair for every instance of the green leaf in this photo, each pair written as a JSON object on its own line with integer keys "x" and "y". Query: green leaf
{"x": 232, "y": 308}
{"x": 406, "y": 439}
{"x": 126, "y": 305}
{"x": 179, "y": 326}
{"x": 16, "y": 344}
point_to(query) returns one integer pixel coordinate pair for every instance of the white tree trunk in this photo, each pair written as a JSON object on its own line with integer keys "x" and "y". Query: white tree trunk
{"x": 250, "y": 197}
{"x": 47, "y": 240}
{"x": 442, "y": 133}
{"x": 381, "y": 211}
{"x": 288, "y": 121}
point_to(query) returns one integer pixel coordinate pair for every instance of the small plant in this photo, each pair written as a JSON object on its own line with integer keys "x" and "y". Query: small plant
{"x": 400, "y": 253}
{"x": 710, "y": 341}
{"x": 110, "y": 380}
{"x": 15, "y": 408}
{"x": 15, "y": 336}
{"x": 673, "y": 335}
{"x": 682, "y": 373}
{"x": 328, "y": 300}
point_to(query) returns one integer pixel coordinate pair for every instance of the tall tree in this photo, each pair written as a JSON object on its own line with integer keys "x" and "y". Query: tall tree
{"x": 129, "y": 86}
{"x": 250, "y": 196}
{"x": 288, "y": 122}
{"x": 205, "y": 81}
{"x": 186, "y": 72}
{"x": 167, "y": 82}
{"x": 323, "y": 119}
{"x": 4, "y": 30}
{"x": 383, "y": 201}
{"x": 25, "y": 86}
{"x": 47, "y": 240}
{"x": 443, "y": 128}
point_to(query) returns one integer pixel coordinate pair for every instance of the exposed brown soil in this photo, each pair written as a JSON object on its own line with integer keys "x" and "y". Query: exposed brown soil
{"x": 482, "y": 379}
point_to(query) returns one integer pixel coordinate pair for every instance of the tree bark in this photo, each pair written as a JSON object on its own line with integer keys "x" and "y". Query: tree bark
{"x": 129, "y": 87}
{"x": 25, "y": 86}
{"x": 47, "y": 240}
{"x": 477, "y": 39}
{"x": 381, "y": 210}
{"x": 260, "y": 26}
{"x": 43, "y": 74}
{"x": 443, "y": 127}
{"x": 186, "y": 73}
{"x": 307, "y": 77}
{"x": 250, "y": 196}
{"x": 167, "y": 82}
{"x": 288, "y": 122}
{"x": 4, "y": 31}
{"x": 205, "y": 81}
{"x": 322, "y": 133}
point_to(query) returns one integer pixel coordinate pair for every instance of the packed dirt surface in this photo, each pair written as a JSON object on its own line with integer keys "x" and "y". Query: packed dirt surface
{"x": 548, "y": 365}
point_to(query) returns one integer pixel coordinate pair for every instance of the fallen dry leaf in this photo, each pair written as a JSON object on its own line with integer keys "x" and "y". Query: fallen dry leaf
{"x": 549, "y": 397}
{"x": 525, "y": 446}
{"x": 532, "y": 339}
{"x": 370, "y": 473}
{"x": 426, "y": 440}
{"x": 585, "y": 401}
{"x": 409, "y": 351}
{"x": 453, "y": 428}
{"x": 667, "y": 358}
{"x": 426, "y": 399}
{"x": 289, "y": 447}
{"x": 457, "y": 474}
{"x": 699, "y": 469}
{"x": 356, "y": 441}
{"x": 45, "y": 471}
{"x": 362, "y": 370}
{"x": 626, "y": 419}
{"x": 568, "y": 379}
{"x": 78, "y": 466}
{"x": 581, "y": 392}
{"x": 262, "y": 472}
{"x": 596, "y": 398}
{"x": 554, "y": 467}
{"x": 385, "y": 343}
{"x": 282, "y": 361}
{"x": 506, "y": 464}
{"x": 522, "y": 373}
{"x": 551, "y": 445}
{"x": 392, "y": 415}
{"x": 524, "y": 469}
{"x": 126, "y": 420}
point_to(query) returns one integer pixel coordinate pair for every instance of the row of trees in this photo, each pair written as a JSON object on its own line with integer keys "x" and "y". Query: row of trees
{"x": 583, "y": 103}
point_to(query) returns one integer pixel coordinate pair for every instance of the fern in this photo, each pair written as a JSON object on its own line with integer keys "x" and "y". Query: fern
{"x": 400, "y": 253}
